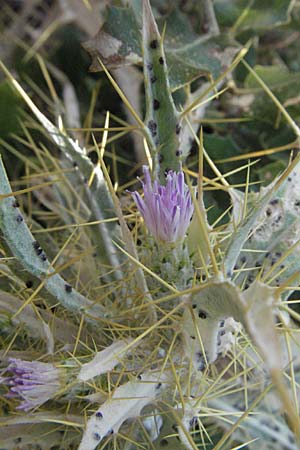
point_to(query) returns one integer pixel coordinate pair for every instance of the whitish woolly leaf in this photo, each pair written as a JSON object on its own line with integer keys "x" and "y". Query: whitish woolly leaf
{"x": 63, "y": 331}
{"x": 100, "y": 200}
{"x": 103, "y": 361}
{"x": 188, "y": 54}
{"x": 264, "y": 425}
{"x": 252, "y": 220}
{"x": 127, "y": 402}
{"x": 275, "y": 233}
{"x": 254, "y": 308}
{"x": 38, "y": 430}
{"x": 32, "y": 257}
{"x": 42, "y": 436}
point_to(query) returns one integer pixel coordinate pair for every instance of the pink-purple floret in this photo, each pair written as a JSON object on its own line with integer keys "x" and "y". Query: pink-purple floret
{"x": 167, "y": 210}
{"x": 32, "y": 382}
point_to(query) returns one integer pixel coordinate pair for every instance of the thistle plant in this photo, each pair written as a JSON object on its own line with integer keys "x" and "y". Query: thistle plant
{"x": 135, "y": 322}
{"x": 32, "y": 382}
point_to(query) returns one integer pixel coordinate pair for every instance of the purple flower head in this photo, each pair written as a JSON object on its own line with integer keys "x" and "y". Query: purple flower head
{"x": 167, "y": 210}
{"x": 32, "y": 382}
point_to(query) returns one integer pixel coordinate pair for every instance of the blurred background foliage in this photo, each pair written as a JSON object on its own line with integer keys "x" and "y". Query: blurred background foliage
{"x": 241, "y": 121}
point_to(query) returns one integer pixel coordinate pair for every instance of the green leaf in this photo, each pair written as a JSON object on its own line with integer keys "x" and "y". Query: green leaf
{"x": 9, "y": 113}
{"x": 161, "y": 114}
{"x": 253, "y": 15}
{"x": 276, "y": 76}
{"x": 188, "y": 54}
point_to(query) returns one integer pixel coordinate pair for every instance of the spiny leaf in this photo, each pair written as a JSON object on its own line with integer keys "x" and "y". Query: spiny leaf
{"x": 272, "y": 249}
{"x": 100, "y": 201}
{"x": 103, "y": 361}
{"x": 254, "y": 308}
{"x": 188, "y": 55}
{"x": 127, "y": 402}
{"x": 239, "y": 237}
{"x": 161, "y": 115}
{"x": 28, "y": 251}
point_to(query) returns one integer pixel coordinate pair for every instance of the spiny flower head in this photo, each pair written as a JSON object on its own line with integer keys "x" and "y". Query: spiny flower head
{"x": 167, "y": 210}
{"x": 32, "y": 382}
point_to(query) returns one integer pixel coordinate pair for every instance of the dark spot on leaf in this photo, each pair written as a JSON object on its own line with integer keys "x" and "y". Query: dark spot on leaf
{"x": 156, "y": 104}
{"x": 178, "y": 152}
{"x": 291, "y": 439}
{"x": 153, "y": 44}
{"x": 202, "y": 314}
{"x": 43, "y": 257}
{"x": 29, "y": 284}
{"x": 193, "y": 422}
{"x": 152, "y": 125}
{"x": 15, "y": 204}
{"x": 93, "y": 155}
{"x": 97, "y": 437}
{"x": 275, "y": 201}
{"x": 35, "y": 245}
{"x": 99, "y": 415}
{"x": 160, "y": 158}
{"x": 68, "y": 288}
{"x": 201, "y": 360}
{"x": 153, "y": 79}
{"x": 19, "y": 218}
{"x": 193, "y": 337}
{"x": 75, "y": 164}
{"x": 158, "y": 386}
{"x": 161, "y": 60}
{"x": 268, "y": 212}
{"x": 222, "y": 323}
{"x": 177, "y": 128}
{"x": 243, "y": 259}
{"x": 194, "y": 306}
